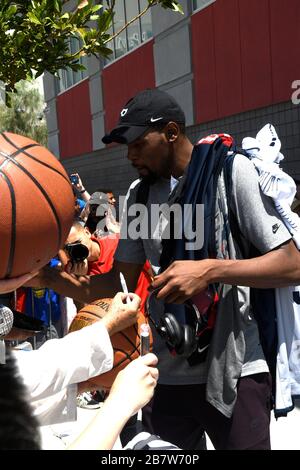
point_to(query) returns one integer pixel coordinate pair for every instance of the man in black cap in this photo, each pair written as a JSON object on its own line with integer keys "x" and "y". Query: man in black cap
{"x": 225, "y": 392}
{"x": 150, "y": 109}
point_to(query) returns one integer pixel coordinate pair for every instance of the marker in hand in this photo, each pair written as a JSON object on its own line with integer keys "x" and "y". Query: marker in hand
{"x": 124, "y": 287}
{"x": 145, "y": 339}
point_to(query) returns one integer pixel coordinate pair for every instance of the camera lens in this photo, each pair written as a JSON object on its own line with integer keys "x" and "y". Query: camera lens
{"x": 77, "y": 252}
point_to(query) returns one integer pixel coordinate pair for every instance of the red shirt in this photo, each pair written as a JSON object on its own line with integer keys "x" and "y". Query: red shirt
{"x": 103, "y": 264}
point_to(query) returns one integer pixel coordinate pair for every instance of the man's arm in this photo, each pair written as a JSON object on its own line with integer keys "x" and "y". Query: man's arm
{"x": 89, "y": 288}
{"x": 278, "y": 268}
{"x": 183, "y": 279}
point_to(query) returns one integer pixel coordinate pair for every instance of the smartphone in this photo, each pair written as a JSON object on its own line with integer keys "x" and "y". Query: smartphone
{"x": 74, "y": 179}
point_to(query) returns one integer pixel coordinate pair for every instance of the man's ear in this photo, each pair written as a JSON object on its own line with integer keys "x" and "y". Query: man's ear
{"x": 87, "y": 232}
{"x": 172, "y": 132}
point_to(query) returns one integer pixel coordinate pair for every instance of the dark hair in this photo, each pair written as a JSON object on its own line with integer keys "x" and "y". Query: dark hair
{"x": 297, "y": 181}
{"x": 18, "y": 427}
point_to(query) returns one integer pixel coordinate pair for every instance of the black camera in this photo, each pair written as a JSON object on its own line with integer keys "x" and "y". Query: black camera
{"x": 77, "y": 252}
{"x": 74, "y": 179}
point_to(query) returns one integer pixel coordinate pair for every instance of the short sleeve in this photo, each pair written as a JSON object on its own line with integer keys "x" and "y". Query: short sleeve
{"x": 256, "y": 214}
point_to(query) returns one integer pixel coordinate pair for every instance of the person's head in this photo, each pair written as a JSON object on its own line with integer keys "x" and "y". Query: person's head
{"x": 98, "y": 207}
{"x": 80, "y": 234}
{"x": 110, "y": 195}
{"x": 152, "y": 125}
{"x": 79, "y": 206}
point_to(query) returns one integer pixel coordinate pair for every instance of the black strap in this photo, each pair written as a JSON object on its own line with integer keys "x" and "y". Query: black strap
{"x": 142, "y": 194}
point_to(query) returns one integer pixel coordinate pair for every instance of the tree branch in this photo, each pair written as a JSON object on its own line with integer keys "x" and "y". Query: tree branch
{"x": 131, "y": 21}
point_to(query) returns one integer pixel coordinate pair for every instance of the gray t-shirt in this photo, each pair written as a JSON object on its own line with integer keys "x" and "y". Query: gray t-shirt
{"x": 261, "y": 226}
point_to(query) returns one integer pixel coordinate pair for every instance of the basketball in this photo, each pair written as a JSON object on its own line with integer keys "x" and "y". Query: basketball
{"x": 126, "y": 343}
{"x": 37, "y": 205}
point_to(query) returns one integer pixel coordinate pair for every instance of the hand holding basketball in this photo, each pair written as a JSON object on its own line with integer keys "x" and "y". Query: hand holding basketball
{"x": 121, "y": 314}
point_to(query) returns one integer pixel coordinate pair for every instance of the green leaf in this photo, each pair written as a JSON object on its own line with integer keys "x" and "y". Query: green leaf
{"x": 33, "y": 18}
{"x": 36, "y": 33}
{"x": 96, "y": 8}
{"x": 12, "y": 9}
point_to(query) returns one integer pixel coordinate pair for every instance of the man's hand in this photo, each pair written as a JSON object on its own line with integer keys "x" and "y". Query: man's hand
{"x": 9, "y": 285}
{"x": 182, "y": 280}
{"x": 70, "y": 267}
{"x": 79, "y": 269}
{"x": 122, "y": 314}
{"x": 134, "y": 386}
{"x": 79, "y": 186}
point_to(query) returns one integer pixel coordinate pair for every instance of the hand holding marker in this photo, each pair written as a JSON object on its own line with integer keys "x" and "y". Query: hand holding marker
{"x": 124, "y": 287}
{"x": 145, "y": 329}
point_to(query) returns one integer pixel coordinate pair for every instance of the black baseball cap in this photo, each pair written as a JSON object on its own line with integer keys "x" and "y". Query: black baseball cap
{"x": 148, "y": 109}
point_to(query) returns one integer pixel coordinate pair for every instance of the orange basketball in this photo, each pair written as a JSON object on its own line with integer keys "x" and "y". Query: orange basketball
{"x": 37, "y": 205}
{"x": 126, "y": 343}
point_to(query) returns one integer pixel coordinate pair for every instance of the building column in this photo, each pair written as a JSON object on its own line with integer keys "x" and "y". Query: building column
{"x": 50, "y": 92}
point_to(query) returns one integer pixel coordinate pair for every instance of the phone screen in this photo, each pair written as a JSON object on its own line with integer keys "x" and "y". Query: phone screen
{"x": 74, "y": 179}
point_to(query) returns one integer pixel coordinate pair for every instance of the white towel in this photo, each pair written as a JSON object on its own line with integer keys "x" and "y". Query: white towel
{"x": 264, "y": 152}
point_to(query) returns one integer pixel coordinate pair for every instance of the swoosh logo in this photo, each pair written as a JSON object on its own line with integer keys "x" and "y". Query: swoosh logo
{"x": 200, "y": 350}
{"x": 155, "y": 119}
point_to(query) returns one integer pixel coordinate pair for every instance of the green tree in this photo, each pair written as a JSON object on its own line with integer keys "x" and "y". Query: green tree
{"x": 26, "y": 114}
{"x": 34, "y": 34}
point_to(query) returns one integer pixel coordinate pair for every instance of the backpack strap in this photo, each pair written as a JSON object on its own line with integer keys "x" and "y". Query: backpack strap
{"x": 143, "y": 192}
